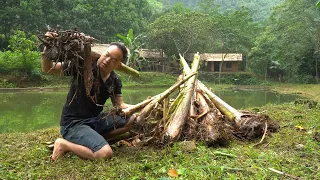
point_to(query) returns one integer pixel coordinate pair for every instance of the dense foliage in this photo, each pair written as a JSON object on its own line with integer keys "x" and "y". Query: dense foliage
{"x": 260, "y": 9}
{"x": 102, "y": 19}
{"x": 182, "y": 32}
{"x": 294, "y": 150}
{"x": 291, "y": 39}
{"x": 284, "y": 46}
{"x": 23, "y": 58}
{"x": 205, "y": 30}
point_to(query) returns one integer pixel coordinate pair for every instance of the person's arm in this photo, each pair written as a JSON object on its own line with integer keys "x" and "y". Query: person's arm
{"x": 95, "y": 56}
{"x": 117, "y": 100}
{"x": 49, "y": 66}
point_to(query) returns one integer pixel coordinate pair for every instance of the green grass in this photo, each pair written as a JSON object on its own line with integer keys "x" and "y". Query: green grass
{"x": 308, "y": 90}
{"x": 52, "y": 81}
{"x": 149, "y": 79}
{"x": 293, "y": 151}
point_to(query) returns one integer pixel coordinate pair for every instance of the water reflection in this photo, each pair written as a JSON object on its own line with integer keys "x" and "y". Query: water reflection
{"x": 242, "y": 99}
{"x": 28, "y": 111}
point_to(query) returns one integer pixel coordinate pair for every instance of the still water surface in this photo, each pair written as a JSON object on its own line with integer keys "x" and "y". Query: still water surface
{"x": 28, "y": 111}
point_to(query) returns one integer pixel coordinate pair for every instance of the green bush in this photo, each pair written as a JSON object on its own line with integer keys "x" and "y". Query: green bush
{"x": 301, "y": 78}
{"x": 236, "y": 78}
{"x": 27, "y": 62}
{"x": 5, "y": 84}
{"x": 149, "y": 78}
{"x": 22, "y": 57}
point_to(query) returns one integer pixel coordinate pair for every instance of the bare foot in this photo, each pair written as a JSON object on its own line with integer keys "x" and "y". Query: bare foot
{"x": 59, "y": 149}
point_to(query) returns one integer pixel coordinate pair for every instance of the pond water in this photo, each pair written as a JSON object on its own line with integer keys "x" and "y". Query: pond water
{"x": 28, "y": 111}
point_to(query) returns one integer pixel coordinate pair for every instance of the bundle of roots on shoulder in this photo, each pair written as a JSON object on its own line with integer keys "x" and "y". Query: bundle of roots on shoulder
{"x": 73, "y": 48}
{"x": 188, "y": 110}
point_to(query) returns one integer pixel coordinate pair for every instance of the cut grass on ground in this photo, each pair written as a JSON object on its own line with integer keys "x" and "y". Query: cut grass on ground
{"x": 291, "y": 150}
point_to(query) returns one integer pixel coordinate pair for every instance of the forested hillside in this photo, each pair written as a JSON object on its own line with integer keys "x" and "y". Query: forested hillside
{"x": 99, "y": 18}
{"x": 261, "y": 9}
{"x": 285, "y": 46}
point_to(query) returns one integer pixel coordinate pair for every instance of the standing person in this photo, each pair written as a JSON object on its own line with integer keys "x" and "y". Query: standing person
{"x": 83, "y": 126}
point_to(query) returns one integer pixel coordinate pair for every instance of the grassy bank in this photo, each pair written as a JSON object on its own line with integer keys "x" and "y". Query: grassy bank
{"x": 16, "y": 80}
{"x": 295, "y": 149}
{"x": 310, "y": 91}
{"x": 152, "y": 79}
{"x": 147, "y": 79}
{"x": 292, "y": 150}
{"x": 49, "y": 81}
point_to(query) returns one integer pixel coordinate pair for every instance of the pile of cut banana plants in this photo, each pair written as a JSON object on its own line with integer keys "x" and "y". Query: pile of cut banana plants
{"x": 188, "y": 110}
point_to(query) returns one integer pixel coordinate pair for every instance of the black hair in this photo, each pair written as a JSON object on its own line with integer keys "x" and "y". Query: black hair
{"x": 123, "y": 49}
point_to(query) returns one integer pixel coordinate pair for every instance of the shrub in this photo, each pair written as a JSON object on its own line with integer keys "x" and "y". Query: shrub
{"x": 236, "y": 78}
{"x": 22, "y": 56}
{"x": 27, "y": 62}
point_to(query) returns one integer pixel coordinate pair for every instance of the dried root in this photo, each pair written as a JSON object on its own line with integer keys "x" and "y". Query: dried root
{"x": 73, "y": 48}
{"x": 253, "y": 126}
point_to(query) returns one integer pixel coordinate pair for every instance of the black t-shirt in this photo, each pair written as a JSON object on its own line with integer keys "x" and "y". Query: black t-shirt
{"x": 79, "y": 105}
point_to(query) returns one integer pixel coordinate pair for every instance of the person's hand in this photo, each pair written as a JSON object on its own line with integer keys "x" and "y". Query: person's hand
{"x": 127, "y": 109}
{"x": 89, "y": 39}
{"x": 128, "y": 106}
{"x": 51, "y": 35}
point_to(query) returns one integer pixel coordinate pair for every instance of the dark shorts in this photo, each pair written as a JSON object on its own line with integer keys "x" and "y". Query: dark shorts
{"x": 88, "y": 132}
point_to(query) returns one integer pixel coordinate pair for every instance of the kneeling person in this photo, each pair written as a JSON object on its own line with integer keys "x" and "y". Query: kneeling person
{"x": 83, "y": 126}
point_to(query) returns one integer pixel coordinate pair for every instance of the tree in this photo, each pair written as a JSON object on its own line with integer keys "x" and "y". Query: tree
{"x": 156, "y": 6}
{"x": 260, "y": 9}
{"x": 133, "y": 44}
{"x": 106, "y": 18}
{"x": 262, "y": 53}
{"x": 297, "y": 28}
{"x": 181, "y": 32}
{"x": 23, "y": 56}
{"x": 102, "y": 19}
{"x": 292, "y": 39}
{"x": 235, "y": 30}
{"x": 208, "y": 7}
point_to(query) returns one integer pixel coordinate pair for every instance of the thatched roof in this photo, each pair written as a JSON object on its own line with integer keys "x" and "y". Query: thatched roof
{"x": 158, "y": 54}
{"x": 152, "y": 53}
{"x": 146, "y": 53}
{"x": 99, "y": 48}
{"x": 217, "y": 57}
